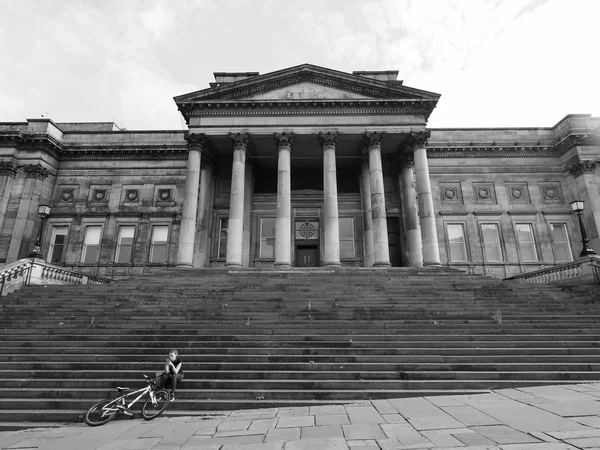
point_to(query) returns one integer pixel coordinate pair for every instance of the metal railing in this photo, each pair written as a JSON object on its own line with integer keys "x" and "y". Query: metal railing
{"x": 34, "y": 272}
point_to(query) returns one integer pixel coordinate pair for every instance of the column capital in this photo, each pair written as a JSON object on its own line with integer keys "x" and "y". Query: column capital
{"x": 406, "y": 159}
{"x": 582, "y": 166}
{"x": 9, "y": 168}
{"x": 208, "y": 158}
{"x": 328, "y": 139}
{"x": 196, "y": 140}
{"x": 284, "y": 139}
{"x": 418, "y": 138}
{"x": 36, "y": 171}
{"x": 373, "y": 138}
{"x": 240, "y": 140}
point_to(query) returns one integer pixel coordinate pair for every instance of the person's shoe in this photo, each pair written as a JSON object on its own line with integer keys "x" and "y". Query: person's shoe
{"x": 172, "y": 398}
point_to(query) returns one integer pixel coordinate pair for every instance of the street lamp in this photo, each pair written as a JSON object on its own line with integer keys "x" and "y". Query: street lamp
{"x": 577, "y": 207}
{"x": 43, "y": 212}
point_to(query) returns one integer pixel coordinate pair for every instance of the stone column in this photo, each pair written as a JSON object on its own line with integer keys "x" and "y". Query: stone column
{"x": 413, "y": 229}
{"x": 187, "y": 231}
{"x": 8, "y": 173}
{"x": 205, "y": 205}
{"x": 381, "y": 248}
{"x": 25, "y": 223}
{"x": 235, "y": 233}
{"x": 283, "y": 224}
{"x": 365, "y": 196}
{"x": 431, "y": 252}
{"x": 331, "y": 228}
{"x": 248, "y": 199}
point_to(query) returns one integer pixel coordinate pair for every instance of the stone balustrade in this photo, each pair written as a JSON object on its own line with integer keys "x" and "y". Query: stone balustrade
{"x": 584, "y": 271}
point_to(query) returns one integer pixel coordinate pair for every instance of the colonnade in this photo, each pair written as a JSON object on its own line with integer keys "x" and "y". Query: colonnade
{"x": 420, "y": 219}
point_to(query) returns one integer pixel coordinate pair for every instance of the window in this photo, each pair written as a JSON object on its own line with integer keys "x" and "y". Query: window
{"x": 456, "y": 242}
{"x": 492, "y": 250}
{"x": 91, "y": 245}
{"x": 346, "y": 237}
{"x": 158, "y": 244}
{"x": 57, "y": 244}
{"x": 124, "y": 244}
{"x": 223, "y": 226}
{"x": 267, "y": 237}
{"x": 526, "y": 241}
{"x": 562, "y": 246}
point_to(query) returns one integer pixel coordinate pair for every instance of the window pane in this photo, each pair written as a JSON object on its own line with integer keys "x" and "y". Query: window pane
{"x": 158, "y": 248}
{"x": 346, "y": 249}
{"x": 491, "y": 242}
{"x": 267, "y": 237}
{"x": 58, "y": 244}
{"x": 456, "y": 239}
{"x": 91, "y": 245}
{"x": 267, "y": 227}
{"x": 562, "y": 247}
{"x": 92, "y": 235}
{"x": 526, "y": 241}
{"x": 346, "y": 225}
{"x": 223, "y": 237}
{"x": 125, "y": 244}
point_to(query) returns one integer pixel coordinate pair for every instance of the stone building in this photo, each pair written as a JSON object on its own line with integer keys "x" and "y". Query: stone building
{"x": 305, "y": 166}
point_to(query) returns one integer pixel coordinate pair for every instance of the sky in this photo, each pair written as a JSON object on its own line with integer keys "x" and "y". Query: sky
{"x": 496, "y": 63}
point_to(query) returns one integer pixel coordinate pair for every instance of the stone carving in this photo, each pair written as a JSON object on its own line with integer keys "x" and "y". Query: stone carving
{"x": 407, "y": 159}
{"x": 196, "y": 140}
{"x": 418, "y": 139}
{"x": 484, "y": 192}
{"x": 450, "y": 193}
{"x": 67, "y": 195}
{"x": 307, "y": 230}
{"x": 328, "y": 139}
{"x": 284, "y": 139}
{"x": 582, "y": 166}
{"x": 36, "y": 171}
{"x": 240, "y": 139}
{"x": 550, "y": 192}
{"x": 131, "y": 195}
{"x": 165, "y": 195}
{"x": 9, "y": 168}
{"x": 517, "y": 193}
{"x": 99, "y": 195}
{"x": 373, "y": 138}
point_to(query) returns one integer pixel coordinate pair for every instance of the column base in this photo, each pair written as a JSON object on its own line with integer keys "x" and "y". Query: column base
{"x": 382, "y": 264}
{"x": 433, "y": 263}
{"x": 234, "y": 265}
{"x": 283, "y": 265}
{"x": 332, "y": 264}
{"x": 184, "y": 265}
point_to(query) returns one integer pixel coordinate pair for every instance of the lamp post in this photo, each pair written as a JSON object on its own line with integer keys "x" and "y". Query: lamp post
{"x": 577, "y": 207}
{"x": 43, "y": 212}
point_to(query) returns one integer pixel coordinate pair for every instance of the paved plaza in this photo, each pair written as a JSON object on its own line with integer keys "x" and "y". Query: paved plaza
{"x": 545, "y": 418}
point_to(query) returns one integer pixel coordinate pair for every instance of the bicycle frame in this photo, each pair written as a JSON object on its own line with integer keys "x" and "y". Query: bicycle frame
{"x": 119, "y": 402}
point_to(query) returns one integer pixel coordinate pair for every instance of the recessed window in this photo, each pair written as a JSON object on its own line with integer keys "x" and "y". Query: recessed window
{"x": 491, "y": 242}
{"x": 223, "y": 228}
{"x": 526, "y": 241}
{"x": 91, "y": 245}
{"x": 456, "y": 242}
{"x": 347, "y": 249}
{"x": 562, "y": 246}
{"x": 159, "y": 244}
{"x": 124, "y": 244}
{"x": 57, "y": 244}
{"x": 267, "y": 237}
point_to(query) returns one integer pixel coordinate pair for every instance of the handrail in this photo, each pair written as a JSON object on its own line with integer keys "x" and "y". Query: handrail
{"x": 564, "y": 272}
{"x": 36, "y": 271}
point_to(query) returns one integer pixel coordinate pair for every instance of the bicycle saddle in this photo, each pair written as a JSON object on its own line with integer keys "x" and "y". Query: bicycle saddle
{"x": 122, "y": 389}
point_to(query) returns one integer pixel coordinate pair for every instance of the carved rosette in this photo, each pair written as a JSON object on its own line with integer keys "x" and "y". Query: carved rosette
{"x": 282, "y": 139}
{"x": 582, "y": 166}
{"x": 328, "y": 139}
{"x": 418, "y": 138}
{"x": 36, "y": 171}
{"x": 373, "y": 139}
{"x": 9, "y": 168}
{"x": 240, "y": 140}
{"x": 196, "y": 141}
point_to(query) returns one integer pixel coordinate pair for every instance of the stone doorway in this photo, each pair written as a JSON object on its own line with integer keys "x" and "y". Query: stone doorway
{"x": 307, "y": 256}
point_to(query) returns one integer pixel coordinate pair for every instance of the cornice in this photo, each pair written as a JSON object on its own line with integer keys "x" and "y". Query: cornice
{"x": 31, "y": 141}
{"x": 475, "y": 151}
{"x": 97, "y": 153}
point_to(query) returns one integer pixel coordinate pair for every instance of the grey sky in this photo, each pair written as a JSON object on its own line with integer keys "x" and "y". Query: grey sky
{"x": 496, "y": 63}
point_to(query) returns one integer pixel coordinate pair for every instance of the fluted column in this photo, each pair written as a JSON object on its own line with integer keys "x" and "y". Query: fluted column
{"x": 283, "y": 223}
{"x": 235, "y": 233}
{"x": 8, "y": 173}
{"x": 187, "y": 231}
{"x": 431, "y": 252}
{"x": 365, "y": 196}
{"x": 331, "y": 228}
{"x": 205, "y": 206}
{"x": 381, "y": 248}
{"x": 413, "y": 229}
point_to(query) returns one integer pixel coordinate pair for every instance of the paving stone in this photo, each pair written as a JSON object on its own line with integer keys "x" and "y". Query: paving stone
{"x": 324, "y": 410}
{"x": 320, "y": 444}
{"x": 283, "y": 434}
{"x": 543, "y": 436}
{"x": 293, "y": 422}
{"x": 130, "y": 444}
{"x": 591, "y": 421}
{"x": 258, "y": 446}
{"x": 179, "y": 436}
{"x": 569, "y": 409}
{"x": 199, "y": 441}
{"x": 469, "y": 416}
{"x": 445, "y": 400}
{"x": 541, "y": 446}
{"x": 234, "y": 425}
{"x": 557, "y": 393}
{"x": 366, "y": 444}
{"x": 442, "y": 438}
{"x": 434, "y": 422}
{"x": 590, "y": 432}
{"x": 394, "y": 418}
{"x": 364, "y": 414}
{"x": 473, "y": 439}
{"x": 262, "y": 425}
{"x": 332, "y": 419}
{"x": 363, "y": 431}
{"x": 415, "y": 407}
{"x": 383, "y": 407}
{"x": 406, "y": 434}
{"x": 501, "y": 434}
{"x": 395, "y": 444}
{"x": 326, "y": 431}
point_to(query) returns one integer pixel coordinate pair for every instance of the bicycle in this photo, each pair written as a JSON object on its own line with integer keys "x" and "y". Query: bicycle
{"x": 106, "y": 410}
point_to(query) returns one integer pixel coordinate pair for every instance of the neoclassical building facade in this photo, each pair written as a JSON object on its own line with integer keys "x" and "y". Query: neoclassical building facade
{"x": 302, "y": 167}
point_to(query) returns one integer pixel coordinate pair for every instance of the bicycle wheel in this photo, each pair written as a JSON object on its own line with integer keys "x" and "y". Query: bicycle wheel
{"x": 150, "y": 410}
{"x": 99, "y": 414}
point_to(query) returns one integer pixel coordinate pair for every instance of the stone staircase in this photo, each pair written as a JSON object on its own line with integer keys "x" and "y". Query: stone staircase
{"x": 267, "y": 338}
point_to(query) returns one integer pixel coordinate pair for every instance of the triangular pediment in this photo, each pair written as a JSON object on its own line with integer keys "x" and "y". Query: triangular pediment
{"x": 305, "y": 82}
